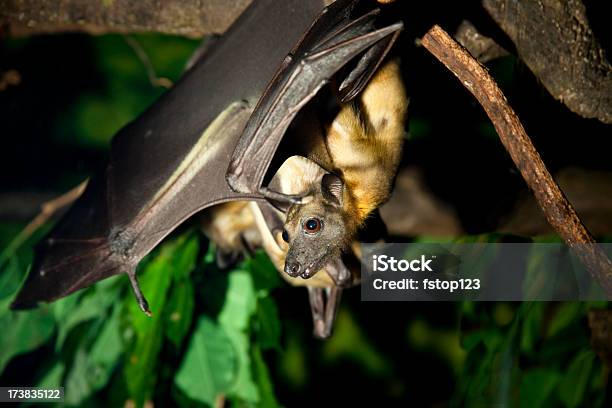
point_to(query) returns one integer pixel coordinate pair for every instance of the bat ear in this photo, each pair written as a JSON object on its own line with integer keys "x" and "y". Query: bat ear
{"x": 332, "y": 188}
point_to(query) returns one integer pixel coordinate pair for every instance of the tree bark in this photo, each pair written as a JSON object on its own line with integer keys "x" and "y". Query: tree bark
{"x": 191, "y": 18}
{"x": 556, "y": 42}
{"x": 483, "y": 48}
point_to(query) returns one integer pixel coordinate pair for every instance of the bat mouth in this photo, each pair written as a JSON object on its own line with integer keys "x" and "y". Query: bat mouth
{"x": 314, "y": 267}
{"x": 294, "y": 270}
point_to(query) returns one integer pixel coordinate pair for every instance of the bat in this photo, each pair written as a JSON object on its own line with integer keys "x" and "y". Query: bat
{"x": 297, "y": 176}
{"x": 209, "y": 140}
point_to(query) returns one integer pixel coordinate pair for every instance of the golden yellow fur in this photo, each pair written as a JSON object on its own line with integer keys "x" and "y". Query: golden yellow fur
{"x": 225, "y": 224}
{"x": 365, "y": 142}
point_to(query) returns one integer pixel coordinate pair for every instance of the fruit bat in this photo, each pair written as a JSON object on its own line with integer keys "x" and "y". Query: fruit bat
{"x": 208, "y": 140}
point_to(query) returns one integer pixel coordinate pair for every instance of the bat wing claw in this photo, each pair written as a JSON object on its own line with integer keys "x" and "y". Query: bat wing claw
{"x": 274, "y": 196}
{"x": 142, "y": 301}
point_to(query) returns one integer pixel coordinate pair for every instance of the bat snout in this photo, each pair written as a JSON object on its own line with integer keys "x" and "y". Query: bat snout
{"x": 292, "y": 268}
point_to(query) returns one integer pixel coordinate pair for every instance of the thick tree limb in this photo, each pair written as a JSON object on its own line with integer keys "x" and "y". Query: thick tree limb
{"x": 192, "y": 18}
{"x": 558, "y": 211}
{"x": 556, "y": 42}
{"x": 589, "y": 191}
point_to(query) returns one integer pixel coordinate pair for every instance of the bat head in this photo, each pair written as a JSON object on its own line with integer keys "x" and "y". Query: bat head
{"x": 316, "y": 230}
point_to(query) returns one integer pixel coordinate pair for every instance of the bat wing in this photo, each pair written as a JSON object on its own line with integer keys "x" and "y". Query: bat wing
{"x": 169, "y": 163}
{"x": 335, "y": 39}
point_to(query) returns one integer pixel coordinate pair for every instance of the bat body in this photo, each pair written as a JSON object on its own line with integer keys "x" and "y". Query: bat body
{"x": 171, "y": 161}
{"x": 364, "y": 146}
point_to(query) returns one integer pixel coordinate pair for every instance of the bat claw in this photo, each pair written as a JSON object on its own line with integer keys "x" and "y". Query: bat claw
{"x": 142, "y": 301}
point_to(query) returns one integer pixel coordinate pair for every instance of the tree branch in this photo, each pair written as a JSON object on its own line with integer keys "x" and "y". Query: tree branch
{"x": 47, "y": 211}
{"x": 192, "y": 18}
{"x": 556, "y": 42}
{"x": 483, "y": 48}
{"x": 558, "y": 211}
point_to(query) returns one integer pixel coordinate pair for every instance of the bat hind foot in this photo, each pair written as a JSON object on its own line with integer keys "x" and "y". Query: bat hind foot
{"x": 227, "y": 259}
{"x": 324, "y": 305}
{"x": 142, "y": 301}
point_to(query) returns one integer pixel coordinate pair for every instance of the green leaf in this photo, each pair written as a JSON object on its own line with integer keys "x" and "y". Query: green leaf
{"x": 155, "y": 281}
{"x": 240, "y": 302}
{"x": 77, "y": 387}
{"x": 107, "y": 348}
{"x": 186, "y": 256}
{"x": 235, "y": 317}
{"x": 531, "y": 318}
{"x": 209, "y": 367}
{"x": 537, "y": 386}
{"x": 78, "y": 308}
{"x": 264, "y": 382}
{"x": 488, "y": 337}
{"x": 574, "y": 384}
{"x": 24, "y": 332}
{"x": 182, "y": 295}
{"x": 244, "y": 385}
{"x": 168, "y": 54}
{"x": 567, "y": 313}
{"x": 93, "y": 366}
{"x": 267, "y": 324}
{"x": 265, "y": 275}
{"x": 53, "y": 376}
{"x": 12, "y": 274}
{"x": 351, "y": 342}
{"x": 180, "y": 312}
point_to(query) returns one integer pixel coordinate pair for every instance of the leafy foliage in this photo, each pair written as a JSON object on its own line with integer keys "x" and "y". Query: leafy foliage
{"x": 99, "y": 338}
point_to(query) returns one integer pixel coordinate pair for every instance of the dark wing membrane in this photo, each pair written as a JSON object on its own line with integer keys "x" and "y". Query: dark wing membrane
{"x": 335, "y": 39}
{"x": 71, "y": 258}
{"x": 170, "y": 161}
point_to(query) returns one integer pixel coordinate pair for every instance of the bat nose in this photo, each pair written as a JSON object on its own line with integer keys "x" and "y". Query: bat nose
{"x": 292, "y": 268}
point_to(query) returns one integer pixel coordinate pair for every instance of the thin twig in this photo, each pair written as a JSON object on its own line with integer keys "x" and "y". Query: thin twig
{"x": 557, "y": 209}
{"x": 47, "y": 210}
{"x": 148, "y": 66}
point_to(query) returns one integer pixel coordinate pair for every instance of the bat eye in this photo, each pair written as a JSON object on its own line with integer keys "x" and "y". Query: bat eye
{"x": 285, "y": 236}
{"x": 312, "y": 226}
